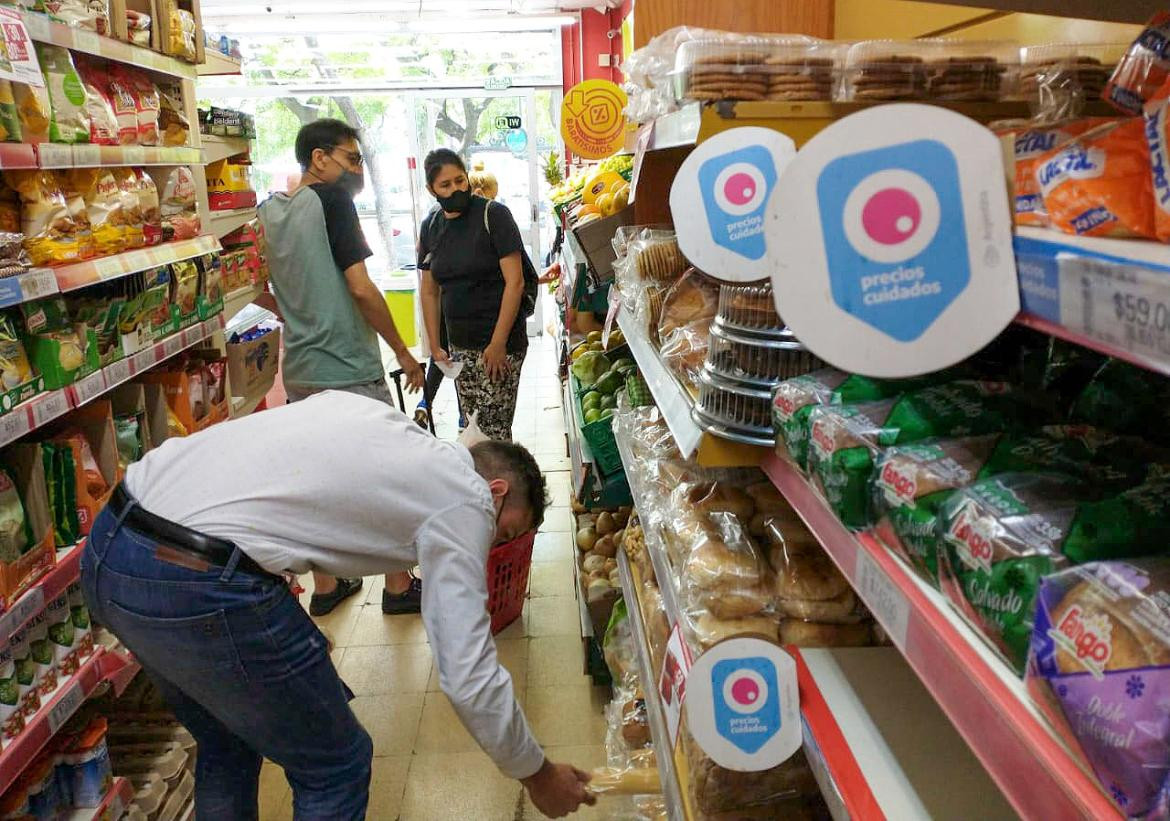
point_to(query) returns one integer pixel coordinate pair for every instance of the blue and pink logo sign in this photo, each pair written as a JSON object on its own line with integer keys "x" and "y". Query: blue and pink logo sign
{"x": 889, "y": 263}
{"x": 735, "y": 188}
{"x": 746, "y": 700}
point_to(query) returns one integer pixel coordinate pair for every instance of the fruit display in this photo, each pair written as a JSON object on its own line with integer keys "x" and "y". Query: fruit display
{"x": 598, "y": 537}
{"x": 594, "y": 193}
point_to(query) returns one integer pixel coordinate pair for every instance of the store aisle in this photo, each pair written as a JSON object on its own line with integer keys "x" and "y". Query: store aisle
{"x": 426, "y": 766}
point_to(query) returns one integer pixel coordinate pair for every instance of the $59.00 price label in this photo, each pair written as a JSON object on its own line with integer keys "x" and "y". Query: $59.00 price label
{"x": 888, "y": 604}
{"x": 70, "y": 700}
{"x": 1123, "y": 305}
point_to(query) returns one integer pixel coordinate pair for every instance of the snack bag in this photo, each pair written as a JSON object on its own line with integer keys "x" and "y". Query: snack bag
{"x": 185, "y": 286}
{"x": 9, "y": 117}
{"x": 103, "y": 205}
{"x": 16, "y": 535}
{"x": 210, "y": 282}
{"x": 1032, "y": 144}
{"x": 75, "y": 200}
{"x": 1001, "y": 535}
{"x": 121, "y": 90}
{"x": 149, "y": 207}
{"x": 32, "y": 108}
{"x": 172, "y": 121}
{"x": 15, "y": 369}
{"x": 60, "y": 476}
{"x": 1143, "y": 70}
{"x": 1098, "y": 184}
{"x": 93, "y": 15}
{"x": 179, "y": 218}
{"x": 103, "y": 122}
{"x": 1097, "y": 668}
{"x": 9, "y": 210}
{"x": 146, "y": 104}
{"x": 67, "y": 95}
{"x": 1125, "y": 399}
{"x": 128, "y": 188}
{"x": 50, "y": 234}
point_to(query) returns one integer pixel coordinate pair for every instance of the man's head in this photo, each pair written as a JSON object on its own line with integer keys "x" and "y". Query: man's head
{"x": 517, "y": 486}
{"x": 326, "y": 149}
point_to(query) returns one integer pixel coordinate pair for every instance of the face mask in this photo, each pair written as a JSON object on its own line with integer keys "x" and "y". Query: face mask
{"x": 458, "y": 201}
{"x": 350, "y": 182}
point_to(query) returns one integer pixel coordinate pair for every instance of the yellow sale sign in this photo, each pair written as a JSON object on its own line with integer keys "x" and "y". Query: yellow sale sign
{"x": 593, "y": 120}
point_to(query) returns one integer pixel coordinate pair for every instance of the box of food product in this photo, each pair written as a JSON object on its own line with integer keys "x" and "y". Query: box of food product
{"x": 252, "y": 363}
{"x": 35, "y": 552}
{"x": 195, "y": 390}
{"x": 95, "y": 421}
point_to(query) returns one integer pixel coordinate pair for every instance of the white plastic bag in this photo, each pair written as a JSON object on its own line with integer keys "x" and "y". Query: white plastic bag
{"x": 471, "y": 434}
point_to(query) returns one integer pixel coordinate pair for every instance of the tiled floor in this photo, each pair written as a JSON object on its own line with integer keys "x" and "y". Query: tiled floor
{"x": 426, "y": 766}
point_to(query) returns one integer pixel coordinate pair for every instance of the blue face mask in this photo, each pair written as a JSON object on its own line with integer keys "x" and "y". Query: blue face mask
{"x": 456, "y": 202}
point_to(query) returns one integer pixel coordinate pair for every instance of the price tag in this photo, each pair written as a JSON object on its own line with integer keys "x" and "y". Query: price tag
{"x": 117, "y": 373}
{"x": 37, "y": 26}
{"x": 115, "y": 809}
{"x": 91, "y": 386}
{"x": 108, "y": 267}
{"x": 134, "y": 155}
{"x": 145, "y": 360}
{"x": 211, "y": 326}
{"x": 1121, "y": 304}
{"x": 14, "y": 425}
{"x": 55, "y": 156}
{"x": 50, "y": 407}
{"x": 883, "y": 598}
{"x": 67, "y": 704}
{"x": 87, "y": 155}
{"x": 37, "y": 283}
{"x": 87, "y": 41}
{"x": 25, "y": 608}
{"x": 172, "y": 345}
{"x": 615, "y": 304}
{"x": 672, "y": 681}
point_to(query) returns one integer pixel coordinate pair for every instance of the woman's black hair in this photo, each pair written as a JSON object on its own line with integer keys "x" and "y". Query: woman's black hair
{"x": 435, "y": 161}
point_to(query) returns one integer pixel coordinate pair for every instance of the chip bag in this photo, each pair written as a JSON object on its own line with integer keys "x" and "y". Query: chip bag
{"x": 103, "y": 122}
{"x": 103, "y": 204}
{"x": 32, "y": 109}
{"x": 50, "y": 234}
{"x": 121, "y": 89}
{"x": 128, "y": 188}
{"x": 1031, "y": 145}
{"x": 149, "y": 206}
{"x": 15, "y": 369}
{"x": 15, "y": 532}
{"x": 10, "y": 130}
{"x": 69, "y": 122}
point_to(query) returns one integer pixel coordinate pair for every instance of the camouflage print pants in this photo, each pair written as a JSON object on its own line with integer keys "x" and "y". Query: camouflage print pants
{"x": 493, "y": 402}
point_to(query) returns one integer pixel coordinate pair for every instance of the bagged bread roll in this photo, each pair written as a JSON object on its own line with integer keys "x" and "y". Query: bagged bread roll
{"x": 1098, "y": 668}
{"x": 778, "y": 792}
{"x": 803, "y": 569}
{"x": 814, "y": 634}
{"x": 693, "y": 299}
{"x": 709, "y": 629}
{"x": 725, "y": 576}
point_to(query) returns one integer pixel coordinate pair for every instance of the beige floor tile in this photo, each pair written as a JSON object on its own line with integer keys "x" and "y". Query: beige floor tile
{"x": 512, "y": 653}
{"x": 441, "y": 731}
{"x": 554, "y": 616}
{"x": 340, "y": 623}
{"x": 275, "y": 793}
{"x": 375, "y": 627}
{"x": 517, "y": 629}
{"x": 448, "y": 786}
{"x": 553, "y": 545}
{"x": 387, "y": 786}
{"x": 559, "y": 494}
{"x": 555, "y": 660}
{"x": 556, "y": 519}
{"x": 584, "y": 758}
{"x": 552, "y": 579}
{"x": 552, "y": 461}
{"x": 401, "y": 668}
{"x": 567, "y": 714}
{"x": 391, "y": 720}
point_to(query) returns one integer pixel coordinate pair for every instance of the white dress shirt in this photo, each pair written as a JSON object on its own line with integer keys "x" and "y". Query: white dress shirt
{"x": 347, "y": 485}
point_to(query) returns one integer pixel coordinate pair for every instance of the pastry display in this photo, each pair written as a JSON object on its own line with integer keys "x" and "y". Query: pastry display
{"x": 756, "y": 360}
{"x": 928, "y": 69}
{"x": 748, "y": 307}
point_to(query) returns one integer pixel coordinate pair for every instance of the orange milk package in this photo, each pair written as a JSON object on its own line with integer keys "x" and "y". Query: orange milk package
{"x": 1031, "y": 143}
{"x": 1157, "y": 134}
{"x": 1098, "y": 184}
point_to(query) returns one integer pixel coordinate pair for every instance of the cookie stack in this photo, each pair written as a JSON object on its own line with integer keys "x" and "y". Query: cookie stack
{"x": 742, "y": 76}
{"x": 965, "y": 77}
{"x": 801, "y": 78}
{"x": 1079, "y": 73}
{"x": 890, "y": 77}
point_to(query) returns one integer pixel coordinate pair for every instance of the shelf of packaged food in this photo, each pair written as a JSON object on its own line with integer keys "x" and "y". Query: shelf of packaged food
{"x": 218, "y": 64}
{"x": 216, "y": 147}
{"x": 14, "y": 156}
{"x": 52, "y": 584}
{"x": 671, "y": 762}
{"x": 580, "y": 456}
{"x": 44, "y": 408}
{"x": 1109, "y": 295}
{"x": 224, "y": 222}
{"x": 112, "y": 808}
{"x": 91, "y": 271}
{"x": 676, "y": 404}
{"x": 119, "y": 668}
{"x": 982, "y": 697}
{"x": 42, "y": 29}
{"x": 57, "y": 708}
{"x": 1116, "y": 11}
{"x": 35, "y": 283}
{"x": 52, "y": 155}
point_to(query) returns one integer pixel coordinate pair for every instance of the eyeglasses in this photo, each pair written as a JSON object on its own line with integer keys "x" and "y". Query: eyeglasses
{"x": 355, "y": 158}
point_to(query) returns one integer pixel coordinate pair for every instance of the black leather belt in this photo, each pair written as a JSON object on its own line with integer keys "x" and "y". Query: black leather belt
{"x": 194, "y": 548}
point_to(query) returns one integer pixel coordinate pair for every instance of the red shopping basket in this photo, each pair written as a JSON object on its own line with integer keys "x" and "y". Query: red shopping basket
{"x": 507, "y": 577}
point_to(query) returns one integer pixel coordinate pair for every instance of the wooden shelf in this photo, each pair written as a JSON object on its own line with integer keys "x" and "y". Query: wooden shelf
{"x": 1114, "y": 11}
{"x": 43, "y": 30}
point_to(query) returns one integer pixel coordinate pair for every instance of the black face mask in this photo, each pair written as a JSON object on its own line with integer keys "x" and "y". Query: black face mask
{"x": 456, "y": 203}
{"x": 349, "y": 182}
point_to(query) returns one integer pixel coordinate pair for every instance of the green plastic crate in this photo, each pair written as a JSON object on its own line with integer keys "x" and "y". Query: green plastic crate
{"x": 601, "y": 441}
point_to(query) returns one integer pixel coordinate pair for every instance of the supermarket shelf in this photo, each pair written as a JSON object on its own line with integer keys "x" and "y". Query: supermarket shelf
{"x": 42, "y": 29}
{"x": 675, "y": 404}
{"x": 1116, "y": 11}
{"x": 982, "y": 697}
{"x": 37, "y": 283}
{"x": 91, "y": 271}
{"x": 220, "y": 148}
{"x": 580, "y": 456}
{"x": 55, "y": 711}
{"x": 112, "y": 807}
{"x": 224, "y": 222}
{"x": 65, "y": 572}
{"x": 239, "y": 299}
{"x": 668, "y": 760}
{"x": 118, "y": 669}
{"x": 44, "y": 408}
{"x": 52, "y": 155}
{"x": 217, "y": 64}
{"x": 15, "y": 156}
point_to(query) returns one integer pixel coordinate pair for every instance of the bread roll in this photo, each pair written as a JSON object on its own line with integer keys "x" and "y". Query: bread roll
{"x": 806, "y": 574}
{"x": 815, "y": 634}
{"x": 717, "y": 497}
{"x": 711, "y": 630}
{"x": 712, "y": 565}
{"x": 837, "y": 610}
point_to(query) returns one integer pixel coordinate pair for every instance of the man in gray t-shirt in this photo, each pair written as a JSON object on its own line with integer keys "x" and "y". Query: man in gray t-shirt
{"x": 333, "y": 314}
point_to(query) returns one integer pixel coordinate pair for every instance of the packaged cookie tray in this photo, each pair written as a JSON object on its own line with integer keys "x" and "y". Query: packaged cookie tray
{"x": 1066, "y": 66}
{"x": 757, "y": 362}
{"x": 749, "y": 307}
{"x": 741, "y": 408}
{"x": 810, "y": 71}
{"x": 930, "y": 69}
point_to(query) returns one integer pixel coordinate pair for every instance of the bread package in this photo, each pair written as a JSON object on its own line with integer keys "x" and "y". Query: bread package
{"x": 1098, "y": 668}
{"x": 1001, "y": 535}
{"x": 724, "y": 575}
{"x": 709, "y": 630}
{"x": 779, "y": 792}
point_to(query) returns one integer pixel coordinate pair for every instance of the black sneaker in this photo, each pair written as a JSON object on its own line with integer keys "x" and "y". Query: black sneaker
{"x": 409, "y": 601}
{"x": 322, "y": 604}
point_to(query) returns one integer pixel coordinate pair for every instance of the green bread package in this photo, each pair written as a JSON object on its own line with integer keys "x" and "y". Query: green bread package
{"x": 845, "y": 440}
{"x": 1000, "y": 536}
{"x": 911, "y": 482}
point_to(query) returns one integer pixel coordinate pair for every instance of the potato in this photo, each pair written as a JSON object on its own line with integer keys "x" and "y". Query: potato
{"x": 594, "y": 562}
{"x": 622, "y": 517}
{"x": 586, "y": 539}
{"x": 605, "y": 523}
{"x": 619, "y": 538}
{"x": 605, "y": 547}
{"x": 598, "y": 589}
{"x": 615, "y": 578}
{"x": 610, "y": 565}
{"x": 576, "y": 506}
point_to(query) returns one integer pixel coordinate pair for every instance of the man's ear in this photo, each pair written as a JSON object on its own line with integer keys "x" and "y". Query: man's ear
{"x": 499, "y": 488}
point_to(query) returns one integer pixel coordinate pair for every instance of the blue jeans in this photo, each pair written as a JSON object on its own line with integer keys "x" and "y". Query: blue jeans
{"x": 244, "y": 669}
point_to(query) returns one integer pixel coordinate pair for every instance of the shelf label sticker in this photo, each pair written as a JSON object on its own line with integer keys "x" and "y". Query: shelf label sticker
{"x": 11, "y": 292}
{"x": 90, "y": 387}
{"x": 733, "y": 176}
{"x": 37, "y": 283}
{"x": 50, "y": 407}
{"x": 593, "y": 119}
{"x": 19, "y": 61}
{"x": 117, "y": 372}
{"x": 87, "y": 155}
{"x": 14, "y": 425}
{"x": 87, "y": 41}
{"x": 144, "y": 360}
{"x": 172, "y": 345}
{"x": 672, "y": 682}
{"x": 891, "y": 252}
{"x": 743, "y": 706}
{"x": 25, "y": 608}
{"x": 67, "y": 704}
{"x": 109, "y": 267}
{"x": 134, "y": 155}
{"x": 55, "y": 156}
{"x": 888, "y": 604}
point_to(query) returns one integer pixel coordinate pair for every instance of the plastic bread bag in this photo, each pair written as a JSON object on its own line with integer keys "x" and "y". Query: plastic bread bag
{"x": 1098, "y": 183}
{"x": 724, "y": 574}
{"x": 1143, "y": 70}
{"x": 69, "y": 122}
{"x": 780, "y": 792}
{"x": 32, "y": 109}
{"x": 629, "y": 780}
{"x": 50, "y": 235}
{"x": 15, "y": 369}
{"x": 686, "y": 513}
{"x": 1097, "y": 668}
{"x": 103, "y": 205}
{"x": 91, "y": 15}
{"x": 692, "y": 302}
{"x": 16, "y": 535}
{"x": 685, "y": 351}
{"x": 808, "y": 586}
{"x": 655, "y": 256}
{"x": 1000, "y": 536}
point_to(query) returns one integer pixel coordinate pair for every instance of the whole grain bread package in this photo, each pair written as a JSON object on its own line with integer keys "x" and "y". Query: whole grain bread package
{"x": 1099, "y": 668}
{"x": 1000, "y": 536}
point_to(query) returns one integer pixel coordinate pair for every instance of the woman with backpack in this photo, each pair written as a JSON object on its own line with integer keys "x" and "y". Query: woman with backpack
{"x": 475, "y": 273}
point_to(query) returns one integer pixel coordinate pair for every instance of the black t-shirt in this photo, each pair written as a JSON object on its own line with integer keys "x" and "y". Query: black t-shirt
{"x": 464, "y": 259}
{"x": 346, "y": 239}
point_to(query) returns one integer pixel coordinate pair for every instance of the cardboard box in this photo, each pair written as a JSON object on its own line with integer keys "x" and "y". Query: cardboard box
{"x": 155, "y": 401}
{"x": 231, "y": 200}
{"x": 95, "y": 421}
{"x": 596, "y": 241}
{"x": 179, "y": 387}
{"x": 27, "y": 465}
{"x": 9, "y": 399}
{"x": 252, "y": 365}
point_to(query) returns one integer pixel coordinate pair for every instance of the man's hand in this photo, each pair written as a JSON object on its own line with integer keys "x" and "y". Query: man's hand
{"x": 551, "y": 274}
{"x": 495, "y": 362}
{"x": 412, "y": 370}
{"x": 440, "y": 355}
{"x": 558, "y": 789}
